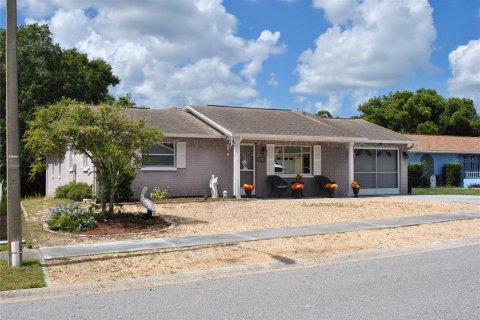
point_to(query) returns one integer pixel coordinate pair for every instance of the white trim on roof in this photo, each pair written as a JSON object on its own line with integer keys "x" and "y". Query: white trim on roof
{"x": 301, "y": 138}
{"x": 449, "y": 151}
{"x": 193, "y": 135}
{"x": 394, "y": 141}
{"x": 209, "y": 121}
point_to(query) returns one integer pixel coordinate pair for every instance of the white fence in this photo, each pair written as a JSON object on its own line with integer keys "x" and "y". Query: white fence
{"x": 472, "y": 174}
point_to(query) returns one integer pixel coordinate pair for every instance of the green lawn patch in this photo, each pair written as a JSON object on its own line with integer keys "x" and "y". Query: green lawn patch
{"x": 446, "y": 191}
{"x": 29, "y": 275}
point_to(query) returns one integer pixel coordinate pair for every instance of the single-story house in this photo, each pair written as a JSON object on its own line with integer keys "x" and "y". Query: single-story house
{"x": 437, "y": 151}
{"x": 246, "y": 145}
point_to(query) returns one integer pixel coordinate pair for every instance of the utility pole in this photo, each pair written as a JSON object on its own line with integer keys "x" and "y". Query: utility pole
{"x": 14, "y": 221}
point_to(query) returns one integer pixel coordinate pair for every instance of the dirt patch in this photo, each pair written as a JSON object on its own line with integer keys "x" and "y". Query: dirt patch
{"x": 113, "y": 267}
{"x": 124, "y": 225}
{"x": 232, "y": 216}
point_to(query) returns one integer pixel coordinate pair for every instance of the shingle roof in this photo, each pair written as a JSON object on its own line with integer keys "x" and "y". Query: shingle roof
{"x": 174, "y": 122}
{"x": 454, "y": 144}
{"x": 368, "y": 130}
{"x": 278, "y": 122}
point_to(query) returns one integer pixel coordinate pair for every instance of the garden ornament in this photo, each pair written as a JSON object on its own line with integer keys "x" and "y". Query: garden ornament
{"x": 213, "y": 186}
{"x": 147, "y": 203}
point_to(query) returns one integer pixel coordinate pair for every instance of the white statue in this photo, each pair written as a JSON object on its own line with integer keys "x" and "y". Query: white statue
{"x": 433, "y": 181}
{"x": 213, "y": 186}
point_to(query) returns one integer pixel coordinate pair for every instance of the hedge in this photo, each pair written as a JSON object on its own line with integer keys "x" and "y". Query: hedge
{"x": 453, "y": 174}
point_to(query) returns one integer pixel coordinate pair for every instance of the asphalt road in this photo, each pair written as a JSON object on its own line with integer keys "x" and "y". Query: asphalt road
{"x": 443, "y": 284}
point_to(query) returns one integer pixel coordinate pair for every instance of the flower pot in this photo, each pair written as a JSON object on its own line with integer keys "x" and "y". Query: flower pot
{"x": 248, "y": 193}
{"x": 330, "y": 192}
{"x": 355, "y": 192}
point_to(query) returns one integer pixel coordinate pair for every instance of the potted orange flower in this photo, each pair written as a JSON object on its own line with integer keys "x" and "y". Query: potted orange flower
{"x": 298, "y": 189}
{"x": 356, "y": 186}
{"x": 248, "y": 189}
{"x": 331, "y": 187}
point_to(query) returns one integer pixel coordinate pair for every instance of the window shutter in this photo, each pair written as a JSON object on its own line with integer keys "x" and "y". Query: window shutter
{"x": 181, "y": 155}
{"x": 270, "y": 159}
{"x": 317, "y": 160}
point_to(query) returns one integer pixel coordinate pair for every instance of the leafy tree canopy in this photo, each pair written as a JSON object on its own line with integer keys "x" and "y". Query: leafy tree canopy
{"x": 423, "y": 112}
{"x": 107, "y": 134}
{"x": 324, "y": 114}
{"x": 46, "y": 74}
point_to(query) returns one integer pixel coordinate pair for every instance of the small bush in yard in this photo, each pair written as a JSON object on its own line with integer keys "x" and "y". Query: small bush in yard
{"x": 74, "y": 191}
{"x": 453, "y": 174}
{"x": 159, "y": 193}
{"x": 416, "y": 176}
{"x": 71, "y": 218}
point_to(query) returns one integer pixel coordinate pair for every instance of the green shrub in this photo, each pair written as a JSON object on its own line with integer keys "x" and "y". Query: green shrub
{"x": 159, "y": 193}
{"x": 124, "y": 192}
{"x": 453, "y": 174}
{"x": 71, "y": 218}
{"x": 74, "y": 191}
{"x": 416, "y": 176}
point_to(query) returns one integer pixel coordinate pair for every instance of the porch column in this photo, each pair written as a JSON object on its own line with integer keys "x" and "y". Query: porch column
{"x": 350, "y": 168}
{"x": 236, "y": 167}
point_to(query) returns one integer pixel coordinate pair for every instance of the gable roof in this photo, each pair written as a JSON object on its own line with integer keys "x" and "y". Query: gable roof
{"x": 370, "y": 130}
{"x": 445, "y": 144}
{"x": 271, "y": 124}
{"x": 175, "y": 123}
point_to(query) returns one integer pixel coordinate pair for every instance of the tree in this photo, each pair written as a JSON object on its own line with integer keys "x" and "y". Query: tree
{"x": 324, "y": 114}
{"x": 46, "y": 73}
{"x": 422, "y": 112}
{"x": 106, "y": 134}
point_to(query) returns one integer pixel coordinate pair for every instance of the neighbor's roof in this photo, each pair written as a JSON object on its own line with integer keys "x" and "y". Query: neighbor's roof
{"x": 445, "y": 144}
{"x": 175, "y": 123}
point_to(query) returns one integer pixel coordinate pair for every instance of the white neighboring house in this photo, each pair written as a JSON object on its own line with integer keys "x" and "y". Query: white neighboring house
{"x": 72, "y": 167}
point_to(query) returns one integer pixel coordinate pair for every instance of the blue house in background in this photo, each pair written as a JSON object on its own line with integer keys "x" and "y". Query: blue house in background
{"x": 437, "y": 151}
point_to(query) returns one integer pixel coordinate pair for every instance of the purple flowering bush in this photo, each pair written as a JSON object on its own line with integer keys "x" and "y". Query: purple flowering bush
{"x": 71, "y": 218}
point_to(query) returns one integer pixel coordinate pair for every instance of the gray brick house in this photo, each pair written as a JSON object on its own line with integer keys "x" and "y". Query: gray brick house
{"x": 246, "y": 145}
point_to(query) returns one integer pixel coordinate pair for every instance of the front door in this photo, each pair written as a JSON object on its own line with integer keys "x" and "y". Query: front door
{"x": 247, "y": 166}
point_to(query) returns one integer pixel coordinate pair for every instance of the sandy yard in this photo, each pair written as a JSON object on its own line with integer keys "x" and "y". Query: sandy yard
{"x": 113, "y": 267}
{"x": 231, "y": 216}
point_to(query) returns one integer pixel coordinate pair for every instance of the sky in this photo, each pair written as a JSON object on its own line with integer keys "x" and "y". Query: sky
{"x": 292, "y": 54}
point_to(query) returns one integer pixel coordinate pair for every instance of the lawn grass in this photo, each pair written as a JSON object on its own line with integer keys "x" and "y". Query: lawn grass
{"x": 29, "y": 275}
{"x": 446, "y": 191}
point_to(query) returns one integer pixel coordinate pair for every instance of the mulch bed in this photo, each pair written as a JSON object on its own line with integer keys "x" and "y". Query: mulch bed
{"x": 124, "y": 224}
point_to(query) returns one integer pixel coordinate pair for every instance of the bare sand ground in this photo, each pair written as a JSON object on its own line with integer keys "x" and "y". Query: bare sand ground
{"x": 231, "y": 216}
{"x": 113, "y": 267}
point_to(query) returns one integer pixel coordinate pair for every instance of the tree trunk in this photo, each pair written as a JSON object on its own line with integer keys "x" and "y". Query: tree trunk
{"x": 104, "y": 194}
{"x": 112, "y": 194}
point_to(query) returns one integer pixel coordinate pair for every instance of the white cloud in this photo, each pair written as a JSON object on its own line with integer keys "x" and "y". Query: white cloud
{"x": 333, "y": 105}
{"x": 465, "y": 66}
{"x": 165, "y": 52}
{"x": 337, "y": 11}
{"x": 273, "y": 80}
{"x": 372, "y": 44}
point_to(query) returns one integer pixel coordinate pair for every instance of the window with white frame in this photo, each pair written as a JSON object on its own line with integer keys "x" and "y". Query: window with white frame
{"x": 160, "y": 155}
{"x": 70, "y": 160}
{"x": 291, "y": 160}
{"x": 85, "y": 163}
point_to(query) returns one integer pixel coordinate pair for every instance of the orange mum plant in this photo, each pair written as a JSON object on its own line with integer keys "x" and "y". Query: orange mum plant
{"x": 247, "y": 187}
{"x": 297, "y": 186}
{"x": 356, "y": 185}
{"x": 331, "y": 186}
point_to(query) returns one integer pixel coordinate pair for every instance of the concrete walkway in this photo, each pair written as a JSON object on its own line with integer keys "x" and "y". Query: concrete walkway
{"x": 263, "y": 234}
